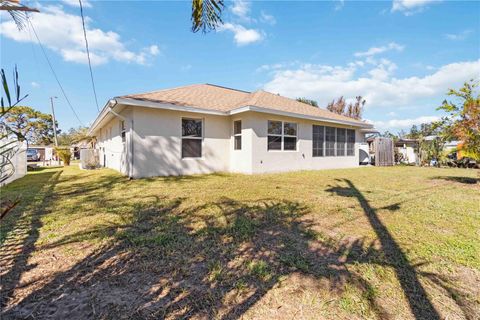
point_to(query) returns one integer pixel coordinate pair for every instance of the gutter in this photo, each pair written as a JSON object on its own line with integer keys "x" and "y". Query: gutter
{"x": 111, "y": 104}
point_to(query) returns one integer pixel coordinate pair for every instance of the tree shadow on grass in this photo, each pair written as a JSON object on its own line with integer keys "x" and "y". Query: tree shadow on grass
{"x": 21, "y": 231}
{"x": 464, "y": 180}
{"x": 407, "y": 274}
{"x": 170, "y": 259}
{"x": 212, "y": 260}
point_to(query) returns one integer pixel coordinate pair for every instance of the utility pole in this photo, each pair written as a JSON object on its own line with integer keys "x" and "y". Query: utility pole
{"x": 54, "y": 123}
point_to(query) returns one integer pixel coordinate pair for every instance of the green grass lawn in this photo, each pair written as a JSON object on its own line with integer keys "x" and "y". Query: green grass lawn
{"x": 385, "y": 243}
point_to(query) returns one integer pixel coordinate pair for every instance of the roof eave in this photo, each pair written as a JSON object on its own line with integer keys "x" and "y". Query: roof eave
{"x": 105, "y": 110}
{"x": 169, "y": 106}
{"x": 300, "y": 116}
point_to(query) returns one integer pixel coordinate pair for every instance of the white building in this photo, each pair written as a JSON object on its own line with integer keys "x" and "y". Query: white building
{"x": 207, "y": 128}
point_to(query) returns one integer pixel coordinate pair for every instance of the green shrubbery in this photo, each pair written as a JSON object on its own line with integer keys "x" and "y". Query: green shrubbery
{"x": 64, "y": 154}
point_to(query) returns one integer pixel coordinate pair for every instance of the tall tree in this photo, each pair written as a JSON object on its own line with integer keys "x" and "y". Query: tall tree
{"x": 73, "y": 135}
{"x": 34, "y": 126}
{"x": 426, "y": 129}
{"x": 354, "y": 110}
{"x": 463, "y": 119}
{"x": 308, "y": 101}
{"x": 337, "y": 106}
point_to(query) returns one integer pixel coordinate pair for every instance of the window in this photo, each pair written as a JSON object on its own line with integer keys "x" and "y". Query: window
{"x": 289, "y": 136}
{"x": 122, "y": 130}
{"x": 341, "y": 138}
{"x": 274, "y": 135}
{"x": 330, "y": 141}
{"x": 192, "y": 135}
{"x": 237, "y": 135}
{"x": 318, "y": 139}
{"x": 350, "y": 142}
{"x": 282, "y": 135}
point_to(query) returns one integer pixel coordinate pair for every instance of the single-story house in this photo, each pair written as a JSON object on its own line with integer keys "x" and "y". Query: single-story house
{"x": 45, "y": 153}
{"x": 207, "y": 128}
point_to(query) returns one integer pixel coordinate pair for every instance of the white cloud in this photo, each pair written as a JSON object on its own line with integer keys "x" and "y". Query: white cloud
{"x": 409, "y": 7}
{"x": 62, "y": 32}
{"x": 377, "y": 50}
{"x": 267, "y": 18}
{"x": 458, "y": 36}
{"x": 154, "y": 50}
{"x": 34, "y": 84}
{"x": 323, "y": 83}
{"x": 242, "y": 35}
{"x": 75, "y": 3}
{"x": 339, "y": 5}
{"x": 241, "y": 8}
{"x": 403, "y": 123}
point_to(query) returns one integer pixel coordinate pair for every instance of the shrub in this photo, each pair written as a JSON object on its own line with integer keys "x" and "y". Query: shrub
{"x": 64, "y": 154}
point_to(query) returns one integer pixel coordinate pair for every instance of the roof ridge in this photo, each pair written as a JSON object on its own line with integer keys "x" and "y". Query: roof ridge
{"x": 166, "y": 89}
{"x": 224, "y": 87}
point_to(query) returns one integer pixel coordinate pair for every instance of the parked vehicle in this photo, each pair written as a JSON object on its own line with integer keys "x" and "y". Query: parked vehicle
{"x": 32, "y": 155}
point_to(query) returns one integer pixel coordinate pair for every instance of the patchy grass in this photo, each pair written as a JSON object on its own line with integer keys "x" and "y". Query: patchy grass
{"x": 398, "y": 243}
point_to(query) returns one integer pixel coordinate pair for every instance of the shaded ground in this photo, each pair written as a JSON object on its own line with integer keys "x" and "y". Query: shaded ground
{"x": 386, "y": 243}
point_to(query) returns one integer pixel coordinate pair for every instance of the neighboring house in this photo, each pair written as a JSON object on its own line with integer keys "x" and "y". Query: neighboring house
{"x": 45, "y": 153}
{"x": 407, "y": 147}
{"x": 207, "y": 128}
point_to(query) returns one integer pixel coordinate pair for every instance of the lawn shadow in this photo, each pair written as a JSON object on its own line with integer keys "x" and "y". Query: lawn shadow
{"x": 213, "y": 260}
{"x": 20, "y": 231}
{"x": 417, "y": 297}
{"x": 170, "y": 259}
{"x": 464, "y": 180}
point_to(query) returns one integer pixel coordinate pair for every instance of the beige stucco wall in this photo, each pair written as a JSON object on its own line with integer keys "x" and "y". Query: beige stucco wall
{"x": 113, "y": 152}
{"x": 264, "y": 161}
{"x": 157, "y": 143}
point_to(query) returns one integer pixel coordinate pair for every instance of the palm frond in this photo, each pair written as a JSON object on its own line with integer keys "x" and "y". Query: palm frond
{"x": 17, "y": 11}
{"x": 206, "y": 14}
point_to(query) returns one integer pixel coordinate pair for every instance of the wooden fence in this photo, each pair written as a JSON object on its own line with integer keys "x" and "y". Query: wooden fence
{"x": 384, "y": 154}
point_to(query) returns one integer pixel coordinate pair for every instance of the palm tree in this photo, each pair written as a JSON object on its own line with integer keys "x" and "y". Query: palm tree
{"x": 206, "y": 14}
{"x": 17, "y": 11}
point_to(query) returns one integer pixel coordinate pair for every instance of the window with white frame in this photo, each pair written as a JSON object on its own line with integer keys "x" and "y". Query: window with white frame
{"x": 350, "y": 142}
{"x": 237, "y": 135}
{"x": 122, "y": 130}
{"x": 192, "y": 137}
{"x": 330, "y": 137}
{"x": 289, "y": 136}
{"x": 282, "y": 135}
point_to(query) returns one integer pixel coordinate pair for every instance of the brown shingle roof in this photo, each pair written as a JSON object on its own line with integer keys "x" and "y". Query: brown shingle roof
{"x": 213, "y": 97}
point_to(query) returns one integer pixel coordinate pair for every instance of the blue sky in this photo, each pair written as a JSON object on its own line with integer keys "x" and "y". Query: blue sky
{"x": 401, "y": 55}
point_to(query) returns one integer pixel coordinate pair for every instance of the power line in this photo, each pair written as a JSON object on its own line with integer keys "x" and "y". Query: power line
{"x": 54, "y": 73}
{"x": 88, "y": 54}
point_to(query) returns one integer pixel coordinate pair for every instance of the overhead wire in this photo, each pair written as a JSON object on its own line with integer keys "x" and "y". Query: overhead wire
{"x": 54, "y": 73}
{"x": 88, "y": 55}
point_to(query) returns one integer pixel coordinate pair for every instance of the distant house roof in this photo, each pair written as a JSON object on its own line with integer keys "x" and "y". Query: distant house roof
{"x": 218, "y": 98}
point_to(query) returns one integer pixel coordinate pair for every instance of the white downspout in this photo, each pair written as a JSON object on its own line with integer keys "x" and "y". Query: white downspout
{"x": 112, "y": 103}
